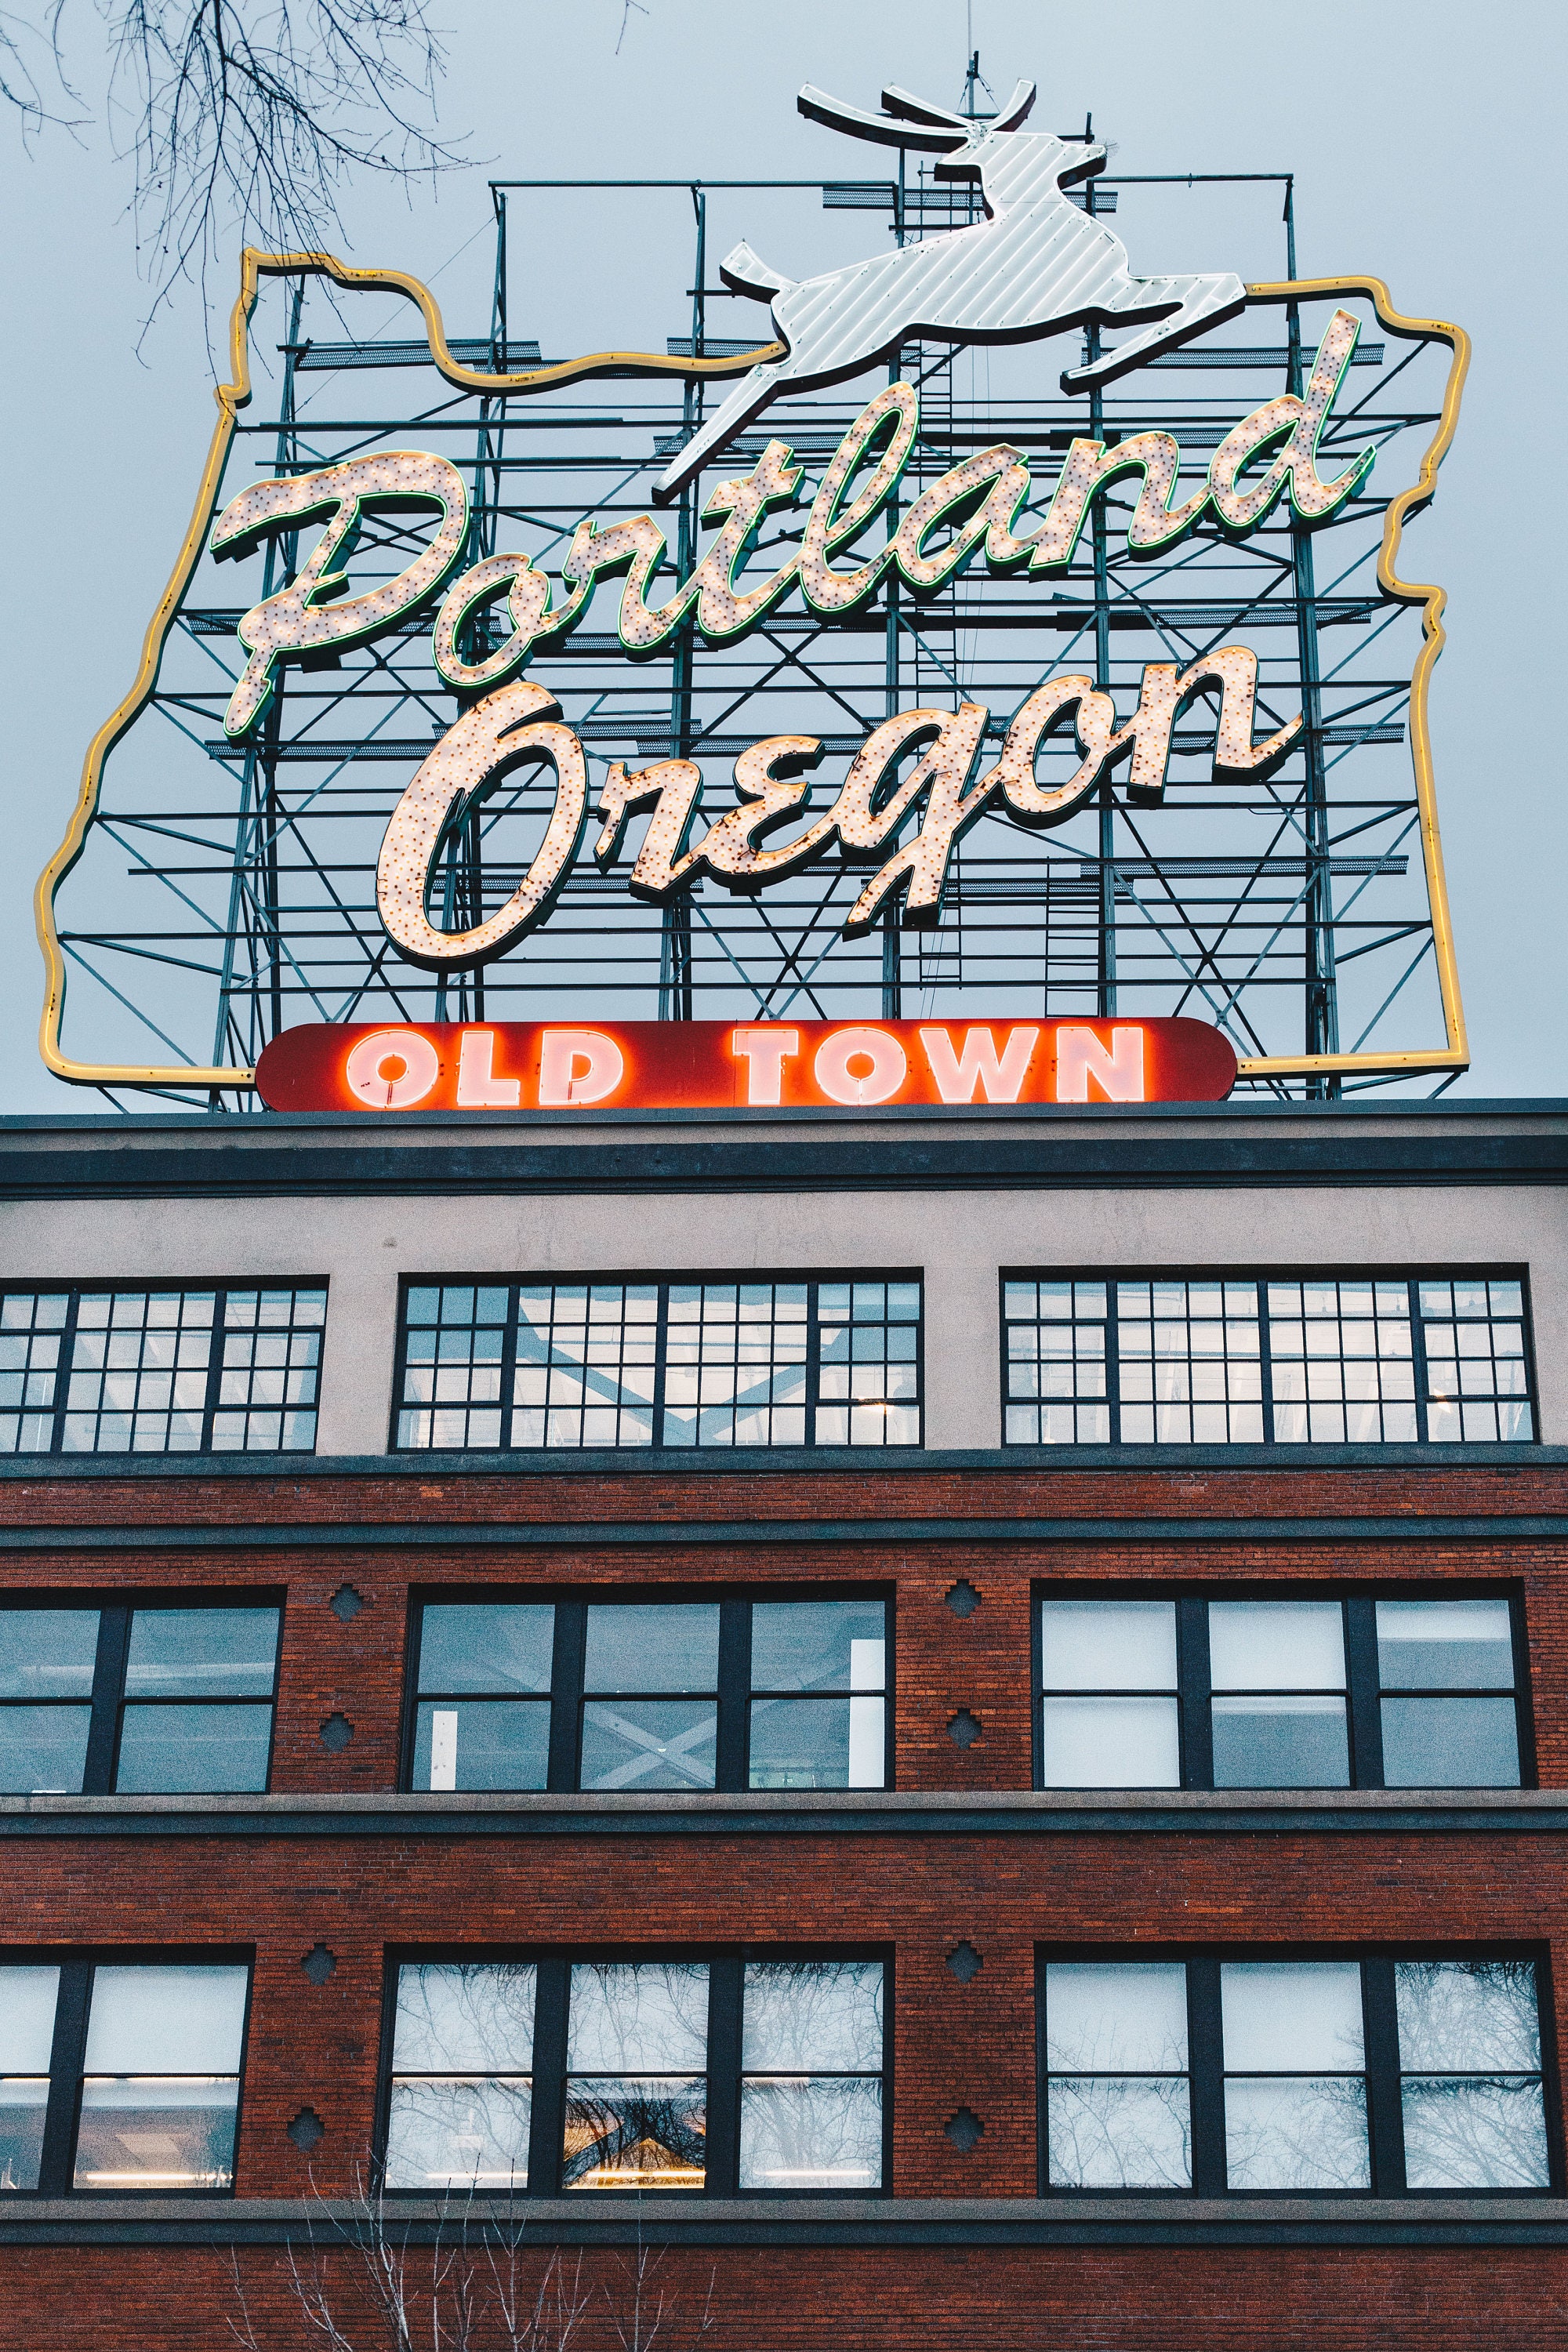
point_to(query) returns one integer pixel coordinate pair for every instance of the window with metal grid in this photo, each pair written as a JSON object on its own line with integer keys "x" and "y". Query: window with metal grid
{"x": 1300, "y": 2071}
{"x": 1477, "y": 1363}
{"x": 1323, "y": 1359}
{"x": 1056, "y": 1338}
{"x": 179, "y": 1370}
{"x": 121, "y": 2079}
{"x": 717, "y": 2073}
{"x": 772, "y": 1361}
{"x": 1289, "y": 1688}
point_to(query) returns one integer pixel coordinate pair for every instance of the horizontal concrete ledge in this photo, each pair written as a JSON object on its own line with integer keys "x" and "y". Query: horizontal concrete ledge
{"x": 841, "y": 1812}
{"x": 819, "y": 1462}
{"x": 680, "y": 2221}
{"x": 1000, "y": 1147}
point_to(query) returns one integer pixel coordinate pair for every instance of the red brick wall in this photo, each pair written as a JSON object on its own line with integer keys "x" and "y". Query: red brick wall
{"x": 1081, "y": 2299}
{"x": 971, "y": 2045}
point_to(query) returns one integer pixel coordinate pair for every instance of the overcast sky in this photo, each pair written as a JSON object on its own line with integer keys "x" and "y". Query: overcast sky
{"x": 1428, "y": 144}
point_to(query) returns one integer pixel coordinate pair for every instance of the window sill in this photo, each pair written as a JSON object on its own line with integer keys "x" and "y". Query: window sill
{"x": 1459, "y": 2219}
{"x": 858, "y": 1813}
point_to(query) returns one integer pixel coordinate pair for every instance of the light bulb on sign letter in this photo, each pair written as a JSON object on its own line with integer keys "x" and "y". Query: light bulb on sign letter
{"x": 842, "y": 1084}
{"x": 578, "y": 1066}
{"x": 394, "y": 1070}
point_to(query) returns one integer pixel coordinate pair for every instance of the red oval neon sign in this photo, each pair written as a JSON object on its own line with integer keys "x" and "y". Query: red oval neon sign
{"x": 829, "y": 1065}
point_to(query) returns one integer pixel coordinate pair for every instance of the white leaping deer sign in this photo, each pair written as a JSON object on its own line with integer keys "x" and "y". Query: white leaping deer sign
{"x": 1033, "y": 267}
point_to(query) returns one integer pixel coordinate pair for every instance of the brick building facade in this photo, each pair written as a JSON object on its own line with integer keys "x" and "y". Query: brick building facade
{"x": 1256, "y": 1723}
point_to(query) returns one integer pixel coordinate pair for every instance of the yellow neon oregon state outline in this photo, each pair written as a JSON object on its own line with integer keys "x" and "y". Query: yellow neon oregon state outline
{"x": 1453, "y": 1055}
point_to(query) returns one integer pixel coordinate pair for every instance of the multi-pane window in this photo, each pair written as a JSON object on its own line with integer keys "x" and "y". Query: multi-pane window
{"x": 461, "y": 2094}
{"x": 120, "y": 2078}
{"x": 161, "y": 1371}
{"x": 608, "y": 1364}
{"x": 1477, "y": 1367}
{"x": 635, "y": 1696}
{"x": 1295, "y": 1690}
{"x": 160, "y": 1700}
{"x": 1295, "y": 2075}
{"x": 686, "y": 2072}
{"x": 1239, "y": 2074}
{"x": 1237, "y": 1359}
{"x": 1471, "y": 2091}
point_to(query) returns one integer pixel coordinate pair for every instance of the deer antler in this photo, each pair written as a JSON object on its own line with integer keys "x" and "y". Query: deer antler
{"x": 817, "y": 106}
{"x": 1018, "y": 107}
{"x": 919, "y": 109}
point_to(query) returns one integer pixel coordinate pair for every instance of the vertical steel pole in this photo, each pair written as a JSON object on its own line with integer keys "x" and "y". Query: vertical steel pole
{"x": 272, "y": 725}
{"x": 1105, "y": 993}
{"x": 1323, "y": 1017}
{"x": 675, "y": 960}
{"x": 893, "y": 970}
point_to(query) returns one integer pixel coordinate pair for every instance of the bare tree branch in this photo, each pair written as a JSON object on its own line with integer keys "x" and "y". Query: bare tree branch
{"x": 19, "y": 83}
{"x": 247, "y": 116}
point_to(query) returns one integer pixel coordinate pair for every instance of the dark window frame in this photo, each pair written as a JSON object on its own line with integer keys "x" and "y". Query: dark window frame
{"x": 725, "y": 1964}
{"x": 1382, "y": 2071}
{"x": 1261, "y": 1276}
{"x": 221, "y": 1287}
{"x": 726, "y": 1278}
{"x": 68, "y": 2056}
{"x": 568, "y": 1696}
{"x": 1363, "y": 1689}
{"x": 107, "y": 1702}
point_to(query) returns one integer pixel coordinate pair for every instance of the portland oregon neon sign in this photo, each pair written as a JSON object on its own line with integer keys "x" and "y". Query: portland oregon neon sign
{"x": 826, "y": 534}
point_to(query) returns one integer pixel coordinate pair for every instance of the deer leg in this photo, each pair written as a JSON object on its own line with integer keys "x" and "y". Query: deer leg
{"x": 750, "y": 397}
{"x": 1188, "y": 305}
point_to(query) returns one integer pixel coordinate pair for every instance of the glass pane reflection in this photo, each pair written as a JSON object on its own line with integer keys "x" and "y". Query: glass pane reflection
{"x": 156, "y": 2132}
{"x": 822, "y": 2133}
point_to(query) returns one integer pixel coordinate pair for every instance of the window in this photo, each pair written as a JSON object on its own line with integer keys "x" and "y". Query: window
{"x": 1292, "y": 2073}
{"x": 1447, "y": 1708}
{"x": 483, "y": 1715}
{"x": 636, "y": 2079}
{"x": 120, "y": 2078}
{"x": 161, "y": 1371}
{"x": 633, "y": 1738}
{"x": 1244, "y": 1360}
{"x": 1118, "y": 2103}
{"x": 136, "y": 1699}
{"x": 1288, "y": 1691}
{"x": 638, "y": 1696}
{"x": 462, "y": 2067}
{"x": 811, "y": 2081}
{"x": 818, "y": 1714}
{"x": 611, "y": 1364}
{"x": 686, "y": 2072}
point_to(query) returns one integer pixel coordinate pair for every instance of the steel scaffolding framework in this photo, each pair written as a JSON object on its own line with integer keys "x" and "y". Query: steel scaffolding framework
{"x": 1293, "y": 912}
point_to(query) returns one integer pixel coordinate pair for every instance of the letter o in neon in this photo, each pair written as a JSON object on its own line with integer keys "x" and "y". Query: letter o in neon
{"x": 890, "y": 1067}
{"x": 365, "y": 1075}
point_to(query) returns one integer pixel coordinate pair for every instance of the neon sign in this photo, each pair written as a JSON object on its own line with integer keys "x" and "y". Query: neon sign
{"x": 894, "y": 800}
{"x": 742, "y": 1066}
{"x": 976, "y": 503}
